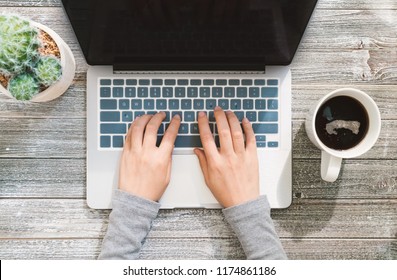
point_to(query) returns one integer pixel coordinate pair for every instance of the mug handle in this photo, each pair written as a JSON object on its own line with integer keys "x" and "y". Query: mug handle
{"x": 330, "y": 167}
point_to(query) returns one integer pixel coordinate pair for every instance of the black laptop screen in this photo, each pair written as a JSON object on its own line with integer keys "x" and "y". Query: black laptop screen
{"x": 189, "y": 34}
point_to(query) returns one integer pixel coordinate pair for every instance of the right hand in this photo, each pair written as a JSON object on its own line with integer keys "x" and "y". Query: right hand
{"x": 232, "y": 172}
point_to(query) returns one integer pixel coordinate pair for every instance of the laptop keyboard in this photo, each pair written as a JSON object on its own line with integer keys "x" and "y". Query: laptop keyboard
{"x": 122, "y": 100}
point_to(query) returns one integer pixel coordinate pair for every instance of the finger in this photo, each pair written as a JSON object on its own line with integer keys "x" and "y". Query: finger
{"x": 137, "y": 130}
{"x": 207, "y": 139}
{"x": 225, "y": 137}
{"x": 250, "y": 141}
{"x": 170, "y": 134}
{"x": 152, "y": 129}
{"x": 236, "y": 132}
{"x": 203, "y": 163}
{"x": 127, "y": 144}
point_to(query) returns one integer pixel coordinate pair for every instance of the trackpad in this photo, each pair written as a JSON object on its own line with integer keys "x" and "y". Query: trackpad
{"x": 187, "y": 187}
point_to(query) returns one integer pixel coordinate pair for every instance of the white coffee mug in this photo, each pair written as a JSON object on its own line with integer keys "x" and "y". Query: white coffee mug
{"x": 331, "y": 159}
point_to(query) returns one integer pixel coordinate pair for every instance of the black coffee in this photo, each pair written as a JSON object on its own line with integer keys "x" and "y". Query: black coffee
{"x": 341, "y": 123}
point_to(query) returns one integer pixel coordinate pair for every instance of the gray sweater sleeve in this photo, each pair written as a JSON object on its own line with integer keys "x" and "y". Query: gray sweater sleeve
{"x": 254, "y": 228}
{"x": 129, "y": 224}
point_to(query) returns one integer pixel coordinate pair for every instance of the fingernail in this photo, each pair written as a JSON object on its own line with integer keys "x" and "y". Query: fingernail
{"x": 201, "y": 114}
{"x": 177, "y": 116}
{"x": 217, "y": 108}
{"x": 228, "y": 112}
{"x": 245, "y": 121}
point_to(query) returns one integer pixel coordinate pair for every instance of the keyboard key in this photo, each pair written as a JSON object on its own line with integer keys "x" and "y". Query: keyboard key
{"x": 105, "y": 82}
{"x": 265, "y": 128}
{"x": 118, "y": 82}
{"x": 254, "y": 92}
{"x": 105, "y": 142}
{"x": 224, "y": 104}
{"x": 261, "y": 144}
{"x": 113, "y": 128}
{"x": 183, "y": 128}
{"x": 242, "y": 92}
{"x": 126, "y": 116}
{"x": 124, "y": 104}
{"x": 194, "y": 129}
{"x": 229, "y": 92}
{"x": 260, "y": 104}
{"x": 195, "y": 82}
{"x": 130, "y": 92}
{"x": 211, "y": 116}
{"x": 155, "y": 92}
{"x": 110, "y": 116}
{"x": 239, "y": 115}
{"x": 260, "y": 82}
{"x": 105, "y": 92}
{"x": 167, "y": 116}
{"x": 180, "y": 92}
{"x": 216, "y": 92}
{"x": 161, "y": 104}
{"x": 235, "y": 104}
{"x": 108, "y": 104}
{"x": 148, "y": 104}
{"x": 210, "y": 104}
{"x": 188, "y": 141}
{"x": 189, "y": 116}
{"x": 168, "y": 92}
{"x": 205, "y": 92}
{"x": 161, "y": 129}
{"x": 272, "y": 104}
{"x": 139, "y": 114}
{"x": 208, "y": 82}
{"x": 176, "y": 113}
{"x": 117, "y": 92}
{"x": 251, "y": 116}
{"x": 170, "y": 82}
{"x": 118, "y": 141}
{"x": 268, "y": 116}
{"x": 272, "y": 82}
{"x": 248, "y": 104}
{"x": 234, "y": 82}
{"x": 221, "y": 82}
{"x": 192, "y": 92}
{"x": 173, "y": 104}
{"x": 131, "y": 82}
{"x": 198, "y": 104}
{"x": 183, "y": 82}
{"x": 272, "y": 144}
{"x": 136, "y": 104}
{"x": 157, "y": 82}
{"x": 144, "y": 82}
{"x": 269, "y": 92}
{"x": 246, "y": 82}
{"x": 186, "y": 104}
{"x": 143, "y": 92}
{"x": 260, "y": 138}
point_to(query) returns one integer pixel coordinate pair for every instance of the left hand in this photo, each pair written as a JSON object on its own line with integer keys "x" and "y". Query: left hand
{"x": 145, "y": 169}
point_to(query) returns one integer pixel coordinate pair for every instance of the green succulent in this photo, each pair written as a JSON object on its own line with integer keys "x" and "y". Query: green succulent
{"x": 48, "y": 70}
{"x": 23, "y": 86}
{"x": 18, "y": 44}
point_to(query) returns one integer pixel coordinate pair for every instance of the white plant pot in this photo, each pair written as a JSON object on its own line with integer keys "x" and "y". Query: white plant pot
{"x": 68, "y": 65}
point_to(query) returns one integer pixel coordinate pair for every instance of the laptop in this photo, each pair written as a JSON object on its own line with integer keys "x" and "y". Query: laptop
{"x": 183, "y": 57}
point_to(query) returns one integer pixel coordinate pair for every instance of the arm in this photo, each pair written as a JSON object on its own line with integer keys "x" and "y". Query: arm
{"x": 254, "y": 228}
{"x": 232, "y": 175}
{"x": 145, "y": 171}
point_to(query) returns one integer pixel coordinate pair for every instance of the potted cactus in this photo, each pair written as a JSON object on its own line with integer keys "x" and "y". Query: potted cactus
{"x": 35, "y": 63}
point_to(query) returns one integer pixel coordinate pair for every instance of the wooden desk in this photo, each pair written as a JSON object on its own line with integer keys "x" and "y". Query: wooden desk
{"x": 43, "y": 213}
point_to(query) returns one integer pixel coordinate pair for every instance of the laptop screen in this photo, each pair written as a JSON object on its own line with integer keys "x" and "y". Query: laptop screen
{"x": 189, "y": 34}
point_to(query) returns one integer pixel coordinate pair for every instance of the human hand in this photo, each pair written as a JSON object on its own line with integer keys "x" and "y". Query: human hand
{"x": 232, "y": 172}
{"x": 145, "y": 169}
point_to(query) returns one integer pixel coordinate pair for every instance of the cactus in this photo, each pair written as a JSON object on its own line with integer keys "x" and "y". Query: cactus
{"x": 48, "y": 70}
{"x": 18, "y": 44}
{"x": 23, "y": 86}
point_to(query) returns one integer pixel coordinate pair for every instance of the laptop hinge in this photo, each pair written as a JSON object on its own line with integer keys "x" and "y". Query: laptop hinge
{"x": 191, "y": 72}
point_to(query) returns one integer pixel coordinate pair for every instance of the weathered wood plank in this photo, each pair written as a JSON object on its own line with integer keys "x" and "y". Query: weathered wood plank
{"x": 65, "y": 178}
{"x": 201, "y": 248}
{"x": 59, "y": 178}
{"x": 306, "y": 218}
